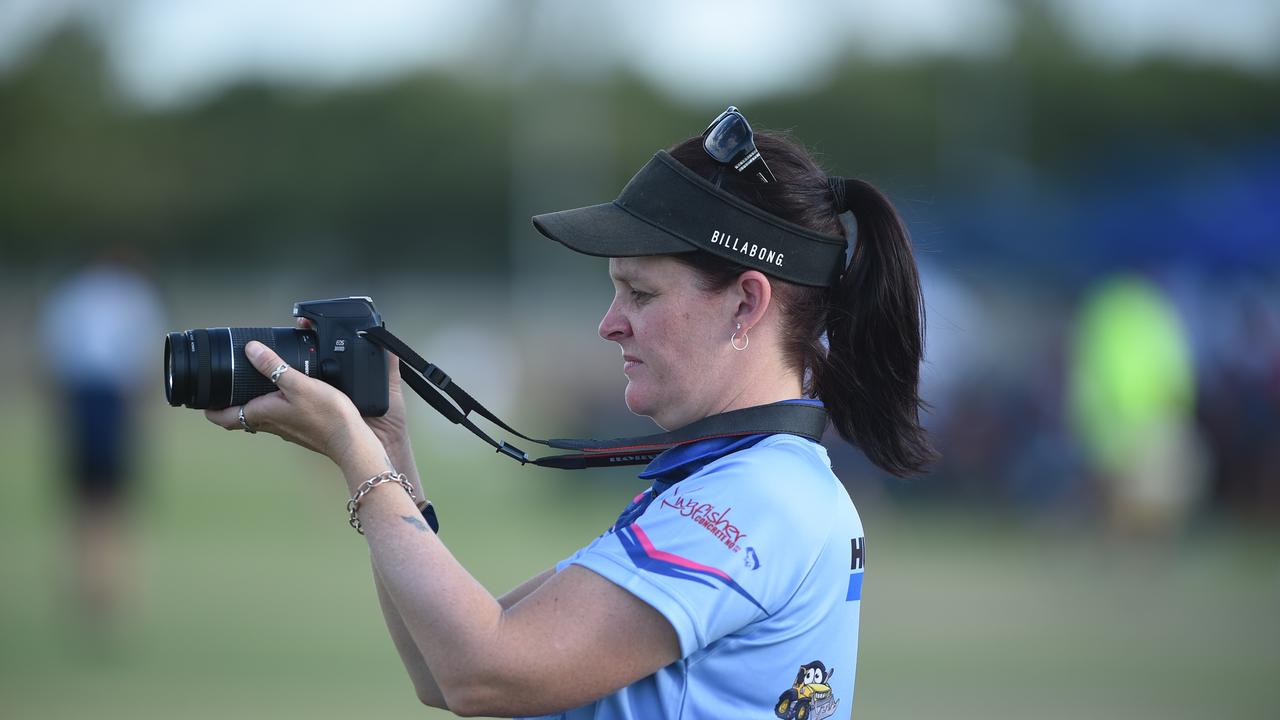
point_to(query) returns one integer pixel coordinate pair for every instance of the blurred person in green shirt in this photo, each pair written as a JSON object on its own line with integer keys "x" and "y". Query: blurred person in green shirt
{"x": 1132, "y": 397}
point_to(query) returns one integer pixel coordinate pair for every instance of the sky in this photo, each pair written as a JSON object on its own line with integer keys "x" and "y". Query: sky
{"x": 173, "y": 51}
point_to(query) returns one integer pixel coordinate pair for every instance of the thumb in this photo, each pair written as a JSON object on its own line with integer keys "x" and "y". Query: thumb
{"x": 265, "y": 361}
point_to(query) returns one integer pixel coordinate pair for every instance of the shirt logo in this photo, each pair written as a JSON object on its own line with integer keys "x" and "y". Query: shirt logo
{"x": 715, "y": 521}
{"x": 748, "y": 249}
{"x": 810, "y": 696}
{"x": 647, "y": 557}
{"x": 857, "y": 558}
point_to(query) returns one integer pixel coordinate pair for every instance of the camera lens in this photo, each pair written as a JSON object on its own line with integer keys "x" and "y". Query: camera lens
{"x": 207, "y": 368}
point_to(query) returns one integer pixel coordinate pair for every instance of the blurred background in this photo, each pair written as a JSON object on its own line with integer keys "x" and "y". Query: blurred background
{"x": 1093, "y": 187}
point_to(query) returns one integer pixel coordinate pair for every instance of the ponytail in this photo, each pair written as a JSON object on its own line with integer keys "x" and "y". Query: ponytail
{"x": 868, "y": 377}
{"x": 867, "y": 370}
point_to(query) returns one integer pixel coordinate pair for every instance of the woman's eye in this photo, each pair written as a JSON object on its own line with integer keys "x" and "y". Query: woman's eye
{"x": 640, "y": 297}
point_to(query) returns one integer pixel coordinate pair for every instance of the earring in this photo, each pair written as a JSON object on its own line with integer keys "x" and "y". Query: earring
{"x": 733, "y": 339}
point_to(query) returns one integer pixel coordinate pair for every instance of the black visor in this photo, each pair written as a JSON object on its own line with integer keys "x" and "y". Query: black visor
{"x": 667, "y": 208}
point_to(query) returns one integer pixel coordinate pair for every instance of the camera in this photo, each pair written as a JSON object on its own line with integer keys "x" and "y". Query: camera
{"x": 207, "y": 367}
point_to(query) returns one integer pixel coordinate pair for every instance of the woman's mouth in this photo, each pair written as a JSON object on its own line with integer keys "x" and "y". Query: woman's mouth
{"x": 629, "y": 362}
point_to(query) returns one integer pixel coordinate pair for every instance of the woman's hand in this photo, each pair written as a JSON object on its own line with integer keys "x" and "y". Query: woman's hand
{"x": 304, "y": 410}
{"x": 392, "y": 428}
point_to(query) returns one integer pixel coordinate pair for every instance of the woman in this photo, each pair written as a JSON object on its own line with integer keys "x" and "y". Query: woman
{"x": 731, "y": 586}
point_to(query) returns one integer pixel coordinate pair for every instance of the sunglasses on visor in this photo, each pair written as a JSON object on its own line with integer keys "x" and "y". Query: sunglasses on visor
{"x": 728, "y": 140}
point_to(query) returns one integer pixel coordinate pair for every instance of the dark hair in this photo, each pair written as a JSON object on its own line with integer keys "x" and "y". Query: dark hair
{"x": 867, "y": 371}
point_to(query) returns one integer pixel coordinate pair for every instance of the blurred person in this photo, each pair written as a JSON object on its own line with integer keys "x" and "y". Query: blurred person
{"x": 1238, "y": 365}
{"x": 731, "y": 586}
{"x": 1132, "y": 406}
{"x": 98, "y": 328}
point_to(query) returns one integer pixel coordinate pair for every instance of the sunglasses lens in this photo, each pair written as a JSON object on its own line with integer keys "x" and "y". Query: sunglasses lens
{"x": 728, "y": 138}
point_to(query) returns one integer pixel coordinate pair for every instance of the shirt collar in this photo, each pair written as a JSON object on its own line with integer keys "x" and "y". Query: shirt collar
{"x": 681, "y": 461}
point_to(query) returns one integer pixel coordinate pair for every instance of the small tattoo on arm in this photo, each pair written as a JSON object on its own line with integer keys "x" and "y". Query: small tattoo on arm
{"x": 416, "y": 522}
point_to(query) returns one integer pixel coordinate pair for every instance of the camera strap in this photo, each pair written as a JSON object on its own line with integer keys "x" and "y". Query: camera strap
{"x": 456, "y": 405}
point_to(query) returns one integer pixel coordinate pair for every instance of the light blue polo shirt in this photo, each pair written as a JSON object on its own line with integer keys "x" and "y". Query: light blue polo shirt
{"x": 753, "y": 551}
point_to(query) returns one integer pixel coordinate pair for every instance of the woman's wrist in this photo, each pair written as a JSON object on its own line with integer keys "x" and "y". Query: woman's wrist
{"x": 363, "y": 456}
{"x": 401, "y": 456}
{"x": 399, "y": 451}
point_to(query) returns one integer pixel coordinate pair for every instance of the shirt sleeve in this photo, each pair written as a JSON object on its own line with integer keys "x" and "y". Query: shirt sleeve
{"x": 715, "y": 552}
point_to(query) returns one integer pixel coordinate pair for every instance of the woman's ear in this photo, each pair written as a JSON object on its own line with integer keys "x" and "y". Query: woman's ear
{"x": 754, "y": 293}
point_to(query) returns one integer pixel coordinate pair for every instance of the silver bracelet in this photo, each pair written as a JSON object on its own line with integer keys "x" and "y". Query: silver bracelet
{"x": 386, "y": 476}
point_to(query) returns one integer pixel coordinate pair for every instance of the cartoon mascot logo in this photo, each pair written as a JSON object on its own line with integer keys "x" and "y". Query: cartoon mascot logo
{"x": 809, "y": 697}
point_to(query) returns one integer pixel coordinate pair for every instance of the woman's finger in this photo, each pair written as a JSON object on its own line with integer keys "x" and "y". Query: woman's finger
{"x": 259, "y": 407}
{"x": 266, "y": 412}
{"x": 228, "y": 418}
{"x": 266, "y": 361}
{"x": 256, "y": 408}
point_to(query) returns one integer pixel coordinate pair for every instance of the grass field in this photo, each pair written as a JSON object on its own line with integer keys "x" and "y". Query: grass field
{"x": 254, "y": 597}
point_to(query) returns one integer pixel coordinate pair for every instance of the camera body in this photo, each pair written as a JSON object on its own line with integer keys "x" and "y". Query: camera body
{"x": 207, "y": 368}
{"x": 347, "y": 360}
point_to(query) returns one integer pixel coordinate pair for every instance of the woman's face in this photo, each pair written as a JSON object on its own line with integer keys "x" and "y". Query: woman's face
{"x": 674, "y": 339}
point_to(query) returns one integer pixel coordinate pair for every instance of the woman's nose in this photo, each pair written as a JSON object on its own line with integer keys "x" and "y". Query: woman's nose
{"x": 613, "y": 326}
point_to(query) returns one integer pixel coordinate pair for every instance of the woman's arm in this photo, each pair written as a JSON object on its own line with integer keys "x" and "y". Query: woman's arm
{"x": 424, "y": 685}
{"x": 525, "y": 589}
{"x": 574, "y": 638}
{"x": 400, "y": 455}
{"x": 577, "y": 637}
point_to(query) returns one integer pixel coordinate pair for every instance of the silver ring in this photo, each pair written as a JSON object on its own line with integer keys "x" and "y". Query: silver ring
{"x": 244, "y": 423}
{"x": 280, "y": 370}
